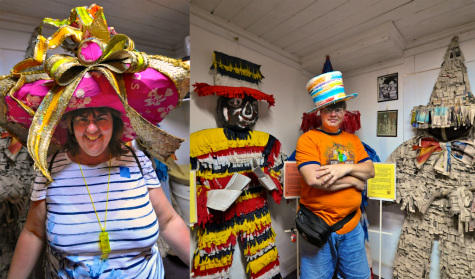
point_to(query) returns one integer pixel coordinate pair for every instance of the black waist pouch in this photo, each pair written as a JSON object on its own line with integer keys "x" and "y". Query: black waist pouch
{"x": 314, "y": 229}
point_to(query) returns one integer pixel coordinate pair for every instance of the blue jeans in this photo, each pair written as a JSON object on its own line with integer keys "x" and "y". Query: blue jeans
{"x": 344, "y": 253}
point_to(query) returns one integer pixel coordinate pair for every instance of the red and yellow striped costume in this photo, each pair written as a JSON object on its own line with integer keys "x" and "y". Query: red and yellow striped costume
{"x": 216, "y": 155}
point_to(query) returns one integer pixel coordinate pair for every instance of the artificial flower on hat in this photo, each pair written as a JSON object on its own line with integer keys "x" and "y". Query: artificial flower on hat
{"x": 105, "y": 70}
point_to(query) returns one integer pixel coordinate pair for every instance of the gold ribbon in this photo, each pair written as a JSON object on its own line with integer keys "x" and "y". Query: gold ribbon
{"x": 91, "y": 20}
{"x": 81, "y": 16}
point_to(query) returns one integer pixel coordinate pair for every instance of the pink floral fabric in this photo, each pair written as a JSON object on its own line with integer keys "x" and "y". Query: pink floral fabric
{"x": 149, "y": 92}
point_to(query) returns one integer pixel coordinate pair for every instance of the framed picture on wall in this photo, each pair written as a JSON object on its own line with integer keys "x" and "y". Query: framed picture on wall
{"x": 388, "y": 88}
{"x": 387, "y": 123}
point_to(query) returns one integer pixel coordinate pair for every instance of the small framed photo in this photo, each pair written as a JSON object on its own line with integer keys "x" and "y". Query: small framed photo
{"x": 387, "y": 88}
{"x": 387, "y": 123}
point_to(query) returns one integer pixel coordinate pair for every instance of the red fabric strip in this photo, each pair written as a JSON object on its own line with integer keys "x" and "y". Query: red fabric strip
{"x": 203, "y": 89}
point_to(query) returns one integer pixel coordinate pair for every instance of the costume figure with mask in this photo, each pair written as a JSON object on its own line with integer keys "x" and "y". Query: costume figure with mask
{"x": 233, "y": 166}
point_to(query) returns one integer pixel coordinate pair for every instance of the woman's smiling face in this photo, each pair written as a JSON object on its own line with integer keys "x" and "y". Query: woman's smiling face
{"x": 93, "y": 132}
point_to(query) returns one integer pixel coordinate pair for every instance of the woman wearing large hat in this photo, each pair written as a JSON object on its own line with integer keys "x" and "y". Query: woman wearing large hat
{"x": 96, "y": 203}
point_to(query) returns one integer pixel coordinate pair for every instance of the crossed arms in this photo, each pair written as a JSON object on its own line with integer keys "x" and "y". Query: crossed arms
{"x": 338, "y": 176}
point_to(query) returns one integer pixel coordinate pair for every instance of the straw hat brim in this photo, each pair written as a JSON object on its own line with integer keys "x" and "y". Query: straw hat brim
{"x": 341, "y": 99}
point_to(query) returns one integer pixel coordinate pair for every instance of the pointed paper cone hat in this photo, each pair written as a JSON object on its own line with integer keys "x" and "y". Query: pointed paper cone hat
{"x": 451, "y": 102}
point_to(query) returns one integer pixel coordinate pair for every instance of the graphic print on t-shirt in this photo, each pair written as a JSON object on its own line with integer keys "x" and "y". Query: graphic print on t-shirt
{"x": 339, "y": 153}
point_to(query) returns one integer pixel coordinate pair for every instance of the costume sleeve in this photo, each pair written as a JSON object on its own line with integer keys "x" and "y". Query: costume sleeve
{"x": 276, "y": 160}
{"x": 307, "y": 151}
{"x": 201, "y": 200}
{"x": 149, "y": 174}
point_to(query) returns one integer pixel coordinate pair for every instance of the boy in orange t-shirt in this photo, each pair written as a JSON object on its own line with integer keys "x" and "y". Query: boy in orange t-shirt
{"x": 335, "y": 167}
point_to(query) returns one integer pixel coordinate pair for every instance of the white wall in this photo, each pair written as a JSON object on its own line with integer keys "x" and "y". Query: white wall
{"x": 287, "y": 84}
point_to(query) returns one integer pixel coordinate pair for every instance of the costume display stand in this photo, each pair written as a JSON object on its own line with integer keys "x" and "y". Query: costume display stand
{"x": 382, "y": 188}
{"x": 380, "y": 233}
{"x": 297, "y": 239}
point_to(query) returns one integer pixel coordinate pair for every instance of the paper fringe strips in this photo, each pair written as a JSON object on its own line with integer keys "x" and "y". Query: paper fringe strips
{"x": 214, "y": 252}
{"x": 451, "y": 103}
{"x": 236, "y": 68}
{"x": 204, "y": 89}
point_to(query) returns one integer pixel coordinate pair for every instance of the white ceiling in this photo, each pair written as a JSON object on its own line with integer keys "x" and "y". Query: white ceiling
{"x": 355, "y": 33}
{"x": 157, "y": 26}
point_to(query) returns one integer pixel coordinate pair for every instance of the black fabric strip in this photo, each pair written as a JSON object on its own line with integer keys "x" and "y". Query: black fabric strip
{"x": 235, "y": 134}
{"x": 237, "y": 63}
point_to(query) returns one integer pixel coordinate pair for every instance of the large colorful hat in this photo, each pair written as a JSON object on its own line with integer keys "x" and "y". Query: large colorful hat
{"x": 327, "y": 89}
{"x": 105, "y": 71}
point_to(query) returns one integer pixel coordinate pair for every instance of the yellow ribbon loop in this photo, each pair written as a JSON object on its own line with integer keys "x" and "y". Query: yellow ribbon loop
{"x": 43, "y": 45}
{"x": 64, "y": 69}
{"x": 45, "y": 121}
{"x": 56, "y": 22}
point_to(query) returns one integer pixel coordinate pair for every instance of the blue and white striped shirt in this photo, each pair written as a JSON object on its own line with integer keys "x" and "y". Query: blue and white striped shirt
{"x": 72, "y": 228}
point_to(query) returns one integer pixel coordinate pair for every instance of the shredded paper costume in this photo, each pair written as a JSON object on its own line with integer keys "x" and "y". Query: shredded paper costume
{"x": 435, "y": 174}
{"x": 16, "y": 175}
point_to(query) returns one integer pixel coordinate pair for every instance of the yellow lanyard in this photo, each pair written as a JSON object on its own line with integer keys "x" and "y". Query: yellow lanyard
{"x": 104, "y": 235}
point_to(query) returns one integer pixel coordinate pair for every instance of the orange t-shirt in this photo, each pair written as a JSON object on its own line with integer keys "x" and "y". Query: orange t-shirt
{"x": 320, "y": 148}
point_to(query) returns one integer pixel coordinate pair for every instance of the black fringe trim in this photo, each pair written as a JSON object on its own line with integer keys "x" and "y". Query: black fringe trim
{"x": 237, "y": 68}
{"x": 235, "y": 134}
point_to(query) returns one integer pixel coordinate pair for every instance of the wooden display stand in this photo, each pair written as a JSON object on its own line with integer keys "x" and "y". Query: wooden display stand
{"x": 383, "y": 188}
{"x": 292, "y": 178}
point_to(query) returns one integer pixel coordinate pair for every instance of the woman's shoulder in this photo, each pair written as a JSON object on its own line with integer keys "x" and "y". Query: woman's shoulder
{"x": 58, "y": 161}
{"x": 133, "y": 156}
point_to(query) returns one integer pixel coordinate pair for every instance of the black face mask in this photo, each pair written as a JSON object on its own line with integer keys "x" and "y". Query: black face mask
{"x": 237, "y": 113}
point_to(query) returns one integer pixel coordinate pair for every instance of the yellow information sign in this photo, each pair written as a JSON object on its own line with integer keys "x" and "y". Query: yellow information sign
{"x": 383, "y": 185}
